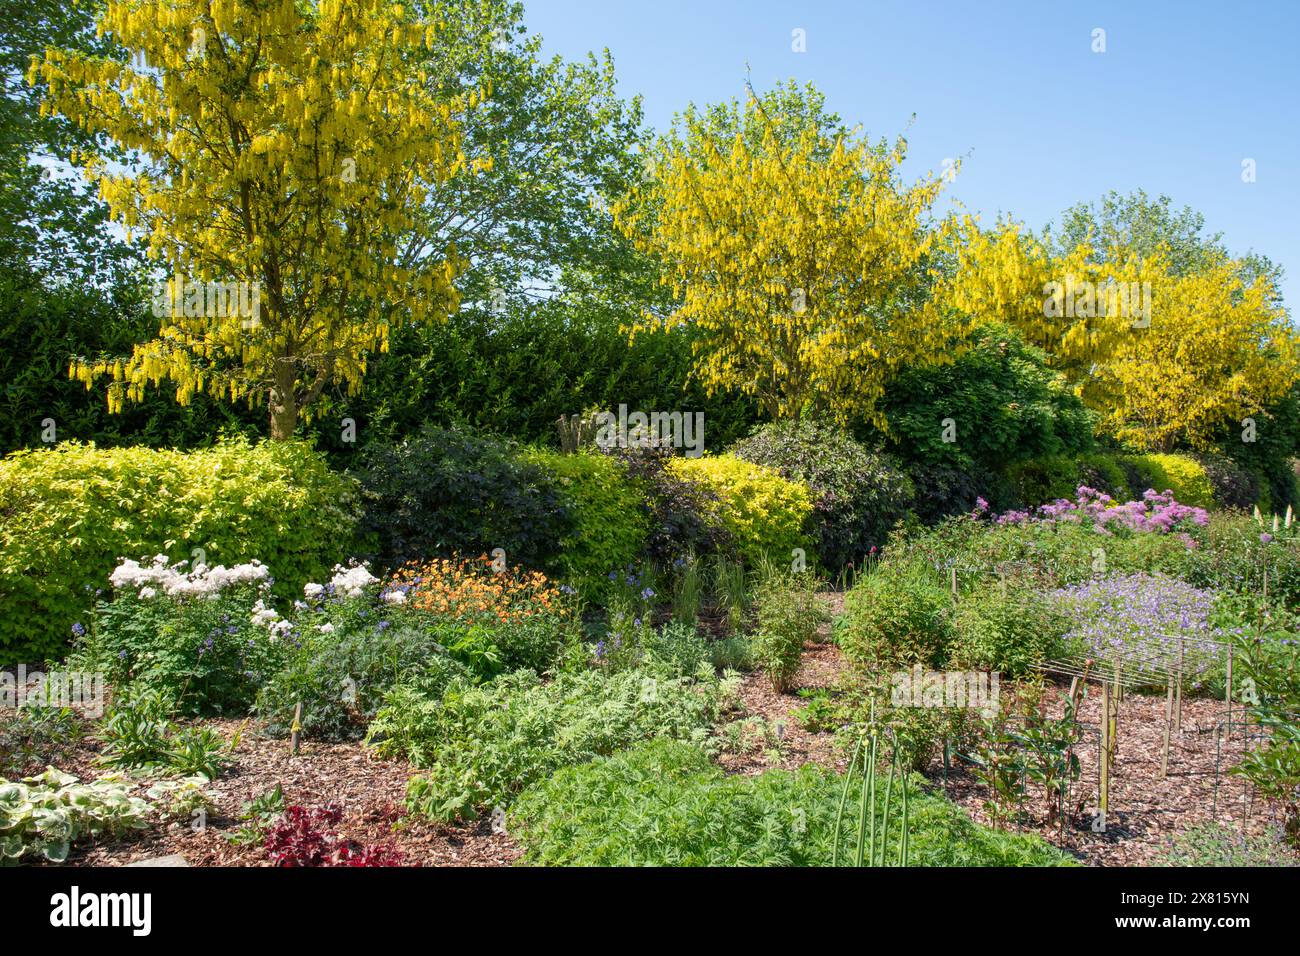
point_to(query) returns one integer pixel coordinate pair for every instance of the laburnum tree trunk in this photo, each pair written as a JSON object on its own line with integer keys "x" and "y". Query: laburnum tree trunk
{"x": 284, "y": 404}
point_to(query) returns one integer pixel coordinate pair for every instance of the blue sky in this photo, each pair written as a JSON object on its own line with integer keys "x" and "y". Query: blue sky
{"x": 1184, "y": 92}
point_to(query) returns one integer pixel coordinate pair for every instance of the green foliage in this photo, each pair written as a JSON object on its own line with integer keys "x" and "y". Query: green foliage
{"x": 203, "y": 653}
{"x": 35, "y": 736}
{"x": 1041, "y": 480}
{"x": 1269, "y": 661}
{"x": 340, "y": 675}
{"x": 43, "y": 816}
{"x": 1009, "y": 631}
{"x": 898, "y": 615}
{"x": 1217, "y": 845}
{"x": 608, "y": 521}
{"x": 71, "y": 512}
{"x": 787, "y": 614}
{"x": 1181, "y": 474}
{"x": 1236, "y": 553}
{"x": 763, "y": 512}
{"x": 1007, "y": 405}
{"x": 481, "y": 745}
{"x": 447, "y": 490}
{"x": 139, "y": 734}
{"x": 664, "y": 803}
{"x": 858, "y": 494}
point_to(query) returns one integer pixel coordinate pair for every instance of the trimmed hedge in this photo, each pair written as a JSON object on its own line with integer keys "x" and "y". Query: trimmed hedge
{"x": 69, "y": 513}
{"x": 763, "y": 512}
{"x": 609, "y": 522}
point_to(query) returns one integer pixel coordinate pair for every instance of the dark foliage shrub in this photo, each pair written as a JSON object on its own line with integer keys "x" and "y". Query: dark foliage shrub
{"x": 858, "y": 494}
{"x": 447, "y": 491}
{"x": 1042, "y": 480}
{"x": 679, "y": 509}
{"x": 1233, "y": 486}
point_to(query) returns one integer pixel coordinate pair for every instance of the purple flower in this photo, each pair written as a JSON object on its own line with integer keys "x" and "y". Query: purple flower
{"x": 78, "y": 630}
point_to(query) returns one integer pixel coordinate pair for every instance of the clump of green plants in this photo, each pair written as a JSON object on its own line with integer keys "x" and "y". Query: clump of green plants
{"x": 666, "y": 803}
{"x": 36, "y": 736}
{"x": 820, "y": 712}
{"x": 45, "y": 815}
{"x": 347, "y": 656}
{"x": 787, "y": 614}
{"x": 1271, "y": 665}
{"x": 899, "y": 615}
{"x": 481, "y": 745}
{"x": 1213, "y": 844}
{"x": 139, "y": 734}
{"x": 203, "y": 636}
{"x": 257, "y": 816}
{"x": 1010, "y": 630}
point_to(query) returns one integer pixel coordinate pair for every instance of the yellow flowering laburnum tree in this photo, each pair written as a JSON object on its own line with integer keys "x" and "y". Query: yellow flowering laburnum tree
{"x": 1219, "y": 349}
{"x": 797, "y": 258}
{"x": 280, "y": 144}
{"x": 1165, "y": 358}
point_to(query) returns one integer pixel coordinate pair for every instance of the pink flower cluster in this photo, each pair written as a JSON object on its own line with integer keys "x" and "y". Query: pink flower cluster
{"x": 1154, "y": 512}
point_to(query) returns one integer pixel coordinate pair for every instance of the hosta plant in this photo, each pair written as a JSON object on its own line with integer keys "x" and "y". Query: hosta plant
{"x": 44, "y": 816}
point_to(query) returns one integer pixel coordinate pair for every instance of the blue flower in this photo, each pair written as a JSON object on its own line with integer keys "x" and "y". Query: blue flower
{"x": 78, "y": 630}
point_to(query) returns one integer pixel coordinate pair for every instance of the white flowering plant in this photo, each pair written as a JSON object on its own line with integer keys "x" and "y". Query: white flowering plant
{"x": 205, "y": 636}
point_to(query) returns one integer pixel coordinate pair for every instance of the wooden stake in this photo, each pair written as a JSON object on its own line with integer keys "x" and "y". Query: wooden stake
{"x": 1178, "y": 690}
{"x": 1104, "y": 798}
{"x": 1169, "y": 716}
{"x": 953, "y": 573}
{"x": 295, "y": 728}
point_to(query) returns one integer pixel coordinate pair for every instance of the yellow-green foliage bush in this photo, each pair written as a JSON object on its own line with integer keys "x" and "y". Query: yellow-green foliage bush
{"x": 1182, "y": 475}
{"x": 67, "y": 514}
{"x": 763, "y": 512}
{"x": 608, "y": 517}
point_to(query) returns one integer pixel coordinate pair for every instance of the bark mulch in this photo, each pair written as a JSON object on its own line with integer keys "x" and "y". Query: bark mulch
{"x": 370, "y": 792}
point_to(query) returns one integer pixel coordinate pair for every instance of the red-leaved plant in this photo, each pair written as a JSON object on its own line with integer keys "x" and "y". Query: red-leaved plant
{"x": 301, "y": 837}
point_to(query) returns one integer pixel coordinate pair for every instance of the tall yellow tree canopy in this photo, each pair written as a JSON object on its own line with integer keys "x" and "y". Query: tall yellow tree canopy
{"x": 1167, "y": 356}
{"x": 282, "y": 145}
{"x": 794, "y": 252}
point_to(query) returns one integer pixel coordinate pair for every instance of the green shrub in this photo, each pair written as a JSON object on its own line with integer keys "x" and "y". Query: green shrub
{"x": 664, "y": 803}
{"x": 1007, "y": 632}
{"x": 1181, "y": 474}
{"x": 345, "y": 659}
{"x": 1041, "y": 480}
{"x": 447, "y": 491}
{"x": 608, "y": 517}
{"x": 481, "y": 745}
{"x": 190, "y": 636}
{"x": 1236, "y": 553}
{"x": 897, "y": 616}
{"x": 763, "y": 512}
{"x": 858, "y": 494}
{"x": 68, "y": 514}
{"x": 787, "y": 613}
